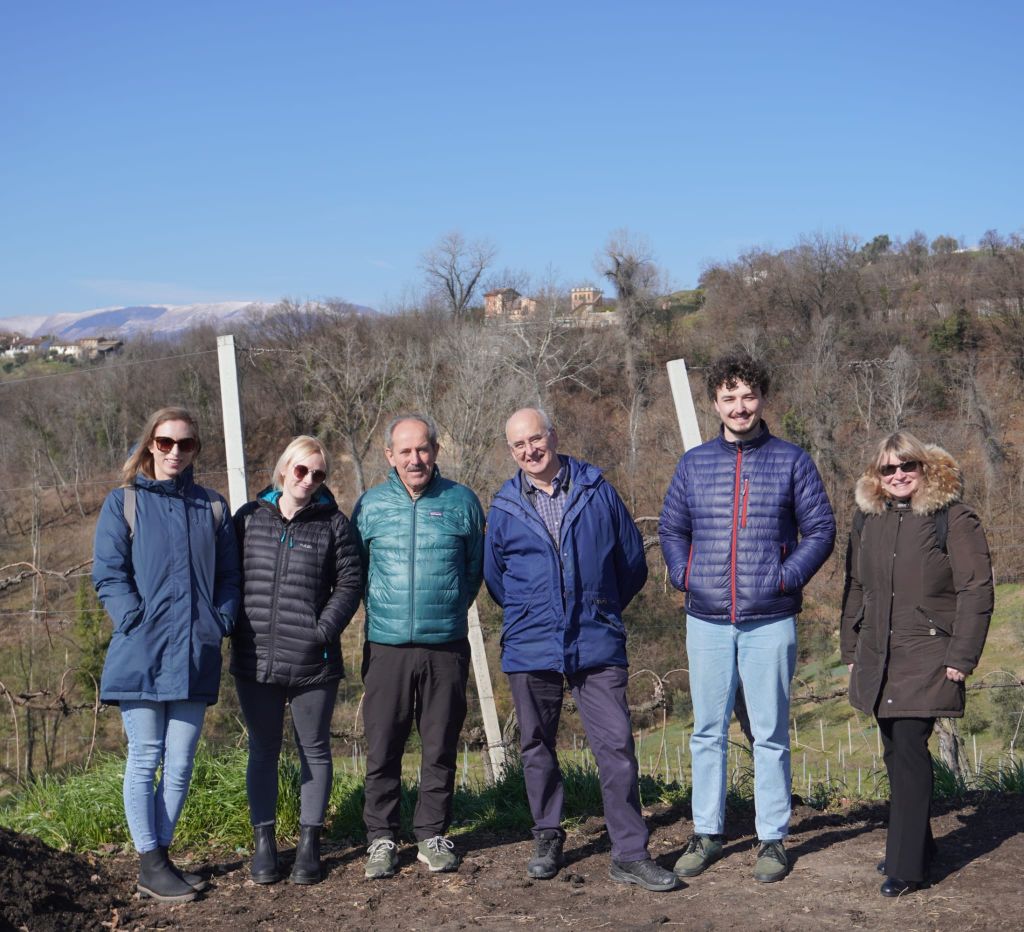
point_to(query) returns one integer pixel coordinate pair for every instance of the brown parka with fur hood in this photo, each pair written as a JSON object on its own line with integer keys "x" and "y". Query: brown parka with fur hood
{"x": 909, "y": 609}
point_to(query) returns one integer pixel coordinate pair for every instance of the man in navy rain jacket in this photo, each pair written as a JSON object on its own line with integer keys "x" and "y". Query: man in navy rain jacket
{"x": 563, "y": 558}
{"x": 745, "y": 525}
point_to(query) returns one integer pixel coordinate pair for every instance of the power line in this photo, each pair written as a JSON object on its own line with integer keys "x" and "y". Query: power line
{"x": 92, "y": 370}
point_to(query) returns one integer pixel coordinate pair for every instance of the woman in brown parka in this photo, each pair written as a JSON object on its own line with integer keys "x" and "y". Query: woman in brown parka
{"x": 916, "y": 609}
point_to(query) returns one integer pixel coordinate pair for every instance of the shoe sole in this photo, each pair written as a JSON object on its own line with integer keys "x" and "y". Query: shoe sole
{"x": 771, "y": 878}
{"x": 305, "y": 879}
{"x": 265, "y": 878}
{"x": 161, "y": 898}
{"x": 447, "y": 869}
{"x": 545, "y": 875}
{"x": 693, "y": 872}
{"x": 622, "y": 877}
{"x": 379, "y": 876}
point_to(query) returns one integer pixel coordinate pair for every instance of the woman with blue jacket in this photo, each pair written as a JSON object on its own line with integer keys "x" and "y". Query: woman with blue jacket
{"x": 166, "y": 569}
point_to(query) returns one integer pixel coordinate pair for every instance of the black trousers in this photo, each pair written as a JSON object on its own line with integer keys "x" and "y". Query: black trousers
{"x": 909, "y": 844}
{"x": 407, "y": 683}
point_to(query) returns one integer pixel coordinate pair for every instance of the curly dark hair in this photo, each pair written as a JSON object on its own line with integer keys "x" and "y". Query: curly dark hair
{"x": 728, "y": 370}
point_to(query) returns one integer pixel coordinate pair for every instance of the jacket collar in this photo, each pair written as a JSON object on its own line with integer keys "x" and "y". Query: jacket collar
{"x": 323, "y": 500}
{"x": 398, "y": 485}
{"x": 179, "y": 485}
{"x": 752, "y": 444}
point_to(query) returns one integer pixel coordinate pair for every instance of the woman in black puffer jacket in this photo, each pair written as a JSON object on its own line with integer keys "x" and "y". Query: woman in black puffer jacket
{"x": 302, "y": 580}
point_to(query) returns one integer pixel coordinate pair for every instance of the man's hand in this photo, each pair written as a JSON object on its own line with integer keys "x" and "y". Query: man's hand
{"x": 955, "y": 675}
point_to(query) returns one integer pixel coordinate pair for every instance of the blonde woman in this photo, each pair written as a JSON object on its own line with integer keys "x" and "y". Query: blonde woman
{"x": 916, "y": 610}
{"x": 302, "y": 581}
{"x": 166, "y": 570}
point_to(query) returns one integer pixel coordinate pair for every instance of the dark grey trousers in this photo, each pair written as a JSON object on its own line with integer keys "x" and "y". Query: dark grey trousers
{"x": 600, "y": 695}
{"x": 263, "y": 709}
{"x": 407, "y": 683}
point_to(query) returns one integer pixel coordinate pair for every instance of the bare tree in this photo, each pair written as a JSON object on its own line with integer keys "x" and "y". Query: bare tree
{"x": 900, "y": 378}
{"x": 454, "y": 267}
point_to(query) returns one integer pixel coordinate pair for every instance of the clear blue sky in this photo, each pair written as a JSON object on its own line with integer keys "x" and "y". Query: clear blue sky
{"x": 203, "y": 151}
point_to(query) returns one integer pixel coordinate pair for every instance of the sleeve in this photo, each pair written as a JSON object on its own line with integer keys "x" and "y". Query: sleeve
{"x": 347, "y": 584}
{"x": 853, "y": 598}
{"x": 630, "y": 560}
{"x": 675, "y": 528}
{"x": 362, "y": 539}
{"x": 474, "y": 549}
{"x": 227, "y": 581}
{"x": 971, "y": 563}
{"x": 494, "y": 560}
{"x": 113, "y": 574}
{"x": 815, "y": 522}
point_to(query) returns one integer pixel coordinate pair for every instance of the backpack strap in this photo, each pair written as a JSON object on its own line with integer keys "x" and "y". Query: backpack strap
{"x": 129, "y": 511}
{"x": 216, "y": 506}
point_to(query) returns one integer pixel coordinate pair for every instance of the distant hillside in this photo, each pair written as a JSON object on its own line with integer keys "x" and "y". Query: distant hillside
{"x": 163, "y": 319}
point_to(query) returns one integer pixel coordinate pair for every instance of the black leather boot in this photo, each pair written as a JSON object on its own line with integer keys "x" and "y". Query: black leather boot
{"x": 156, "y": 879}
{"x": 307, "y": 856}
{"x": 264, "y": 868}
{"x": 196, "y": 882}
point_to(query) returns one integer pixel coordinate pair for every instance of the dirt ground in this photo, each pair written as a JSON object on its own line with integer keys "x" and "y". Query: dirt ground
{"x": 833, "y": 884}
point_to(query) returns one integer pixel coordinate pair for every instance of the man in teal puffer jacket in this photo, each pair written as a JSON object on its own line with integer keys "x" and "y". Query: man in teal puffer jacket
{"x": 421, "y": 538}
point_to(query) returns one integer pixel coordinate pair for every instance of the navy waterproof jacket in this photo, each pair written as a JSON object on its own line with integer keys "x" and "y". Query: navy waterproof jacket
{"x": 744, "y": 528}
{"x": 172, "y": 591}
{"x": 563, "y": 605}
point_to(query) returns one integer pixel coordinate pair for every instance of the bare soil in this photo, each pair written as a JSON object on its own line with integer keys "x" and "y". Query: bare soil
{"x": 976, "y": 884}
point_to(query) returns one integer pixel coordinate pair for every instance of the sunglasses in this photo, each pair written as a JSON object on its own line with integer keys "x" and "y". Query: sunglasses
{"x": 317, "y": 475}
{"x": 185, "y": 445}
{"x": 889, "y": 469}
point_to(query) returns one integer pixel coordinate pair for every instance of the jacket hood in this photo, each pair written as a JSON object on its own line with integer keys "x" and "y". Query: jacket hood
{"x": 942, "y": 484}
{"x": 580, "y": 474}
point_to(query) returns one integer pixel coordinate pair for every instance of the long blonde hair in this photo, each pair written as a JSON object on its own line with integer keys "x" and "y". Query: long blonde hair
{"x": 300, "y": 447}
{"x": 141, "y": 457}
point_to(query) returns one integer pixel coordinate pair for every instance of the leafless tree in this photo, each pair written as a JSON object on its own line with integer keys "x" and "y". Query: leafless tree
{"x": 900, "y": 377}
{"x": 454, "y": 267}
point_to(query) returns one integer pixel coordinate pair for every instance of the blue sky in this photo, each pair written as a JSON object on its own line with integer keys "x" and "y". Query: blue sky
{"x": 224, "y": 150}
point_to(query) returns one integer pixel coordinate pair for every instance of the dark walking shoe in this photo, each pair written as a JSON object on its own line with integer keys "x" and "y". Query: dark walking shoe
{"x": 701, "y": 852}
{"x": 646, "y": 874}
{"x": 197, "y": 883}
{"x": 307, "y": 856}
{"x": 264, "y": 867}
{"x": 896, "y": 887}
{"x": 547, "y": 856}
{"x": 772, "y": 863}
{"x": 157, "y": 880}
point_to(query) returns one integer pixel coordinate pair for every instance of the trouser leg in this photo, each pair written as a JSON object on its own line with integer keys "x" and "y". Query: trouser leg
{"x": 144, "y": 727}
{"x": 312, "y": 708}
{"x": 263, "y": 710}
{"x": 909, "y": 765}
{"x": 440, "y": 713}
{"x": 387, "y": 719}
{"x": 766, "y": 658}
{"x": 183, "y": 726}
{"x": 537, "y": 697}
{"x": 600, "y": 694}
{"x": 711, "y": 659}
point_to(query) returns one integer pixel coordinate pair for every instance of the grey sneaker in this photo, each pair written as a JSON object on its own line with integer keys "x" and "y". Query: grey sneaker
{"x": 701, "y": 852}
{"x": 438, "y": 853}
{"x": 772, "y": 863}
{"x": 382, "y": 860}
{"x": 645, "y": 873}
{"x": 547, "y": 856}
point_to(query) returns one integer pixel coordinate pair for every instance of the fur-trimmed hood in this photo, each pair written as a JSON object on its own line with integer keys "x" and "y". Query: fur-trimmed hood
{"x": 941, "y": 484}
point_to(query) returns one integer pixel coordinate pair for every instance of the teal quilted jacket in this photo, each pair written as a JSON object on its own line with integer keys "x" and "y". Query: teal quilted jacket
{"x": 422, "y": 560}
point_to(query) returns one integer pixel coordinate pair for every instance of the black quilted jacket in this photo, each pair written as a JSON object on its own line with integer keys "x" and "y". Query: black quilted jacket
{"x": 301, "y": 585}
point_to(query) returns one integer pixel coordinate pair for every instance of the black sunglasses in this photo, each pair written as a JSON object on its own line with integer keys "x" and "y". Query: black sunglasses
{"x": 185, "y": 445}
{"x": 318, "y": 475}
{"x": 889, "y": 469}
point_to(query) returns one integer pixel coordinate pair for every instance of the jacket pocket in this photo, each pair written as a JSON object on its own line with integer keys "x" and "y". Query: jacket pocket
{"x": 132, "y": 620}
{"x": 689, "y": 566}
{"x": 932, "y": 625}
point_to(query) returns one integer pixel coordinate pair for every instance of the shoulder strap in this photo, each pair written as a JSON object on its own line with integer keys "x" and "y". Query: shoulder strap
{"x": 858, "y": 521}
{"x": 129, "y": 510}
{"x": 942, "y": 528}
{"x": 216, "y": 506}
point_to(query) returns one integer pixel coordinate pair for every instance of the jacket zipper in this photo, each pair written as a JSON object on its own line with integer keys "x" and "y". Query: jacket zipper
{"x": 689, "y": 563}
{"x": 735, "y": 531}
{"x": 746, "y": 494}
{"x": 282, "y": 558}
{"x": 412, "y": 573}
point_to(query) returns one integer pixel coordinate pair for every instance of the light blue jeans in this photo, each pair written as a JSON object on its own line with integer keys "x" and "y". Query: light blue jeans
{"x": 159, "y": 733}
{"x": 763, "y": 656}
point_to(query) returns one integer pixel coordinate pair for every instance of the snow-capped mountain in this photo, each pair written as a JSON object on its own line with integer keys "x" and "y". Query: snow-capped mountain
{"x": 128, "y": 321}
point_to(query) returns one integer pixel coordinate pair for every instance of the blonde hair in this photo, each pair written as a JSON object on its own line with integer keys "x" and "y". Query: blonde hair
{"x": 904, "y": 446}
{"x": 300, "y": 447}
{"x": 141, "y": 457}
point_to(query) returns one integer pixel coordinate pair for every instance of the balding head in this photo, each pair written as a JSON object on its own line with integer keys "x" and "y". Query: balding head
{"x": 534, "y": 444}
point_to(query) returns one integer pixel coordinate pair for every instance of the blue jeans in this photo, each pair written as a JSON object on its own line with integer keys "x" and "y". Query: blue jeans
{"x": 763, "y": 656}
{"x": 161, "y": 735}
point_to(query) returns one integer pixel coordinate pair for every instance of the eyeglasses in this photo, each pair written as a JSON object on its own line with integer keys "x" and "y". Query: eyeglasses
{"x": 184, "y": 445}
{"x": 889, "y": 469}
{"x": 537, "y": 441}
{"x": 317, "y": 475}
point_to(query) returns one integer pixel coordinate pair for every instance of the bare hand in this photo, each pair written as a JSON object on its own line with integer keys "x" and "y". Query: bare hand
{"x": 955, "y": 675}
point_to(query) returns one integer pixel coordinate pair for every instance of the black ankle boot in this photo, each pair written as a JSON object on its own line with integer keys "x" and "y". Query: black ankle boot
{"x": 196, "y": 882}
{"x": 307, "y": 856}
{"x": 156, "y": 879}
{"x": 264, "y": 868}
